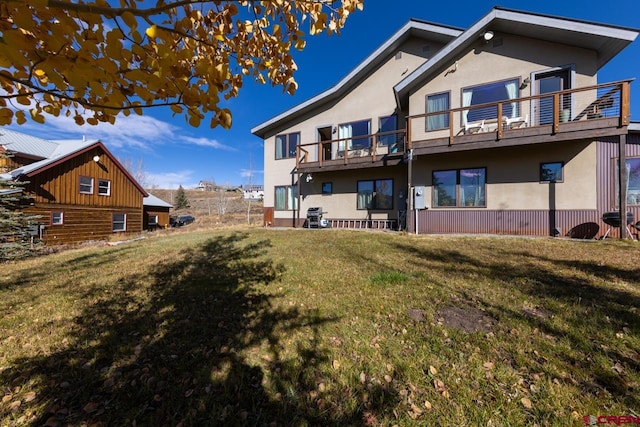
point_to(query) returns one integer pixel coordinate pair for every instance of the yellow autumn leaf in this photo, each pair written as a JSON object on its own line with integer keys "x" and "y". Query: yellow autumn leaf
{"x": 526, "y": 403}
{"x": 146, "y": 63}
{"x": 225, "y": 118}
{"x": 129, "y": 19}
{"x": 36, "y": 116}
{"x": 6, "y": 115}
{"x": 194, "y": 121}
{"x": 21, "y": 118}
{"x": 152, "y": 31}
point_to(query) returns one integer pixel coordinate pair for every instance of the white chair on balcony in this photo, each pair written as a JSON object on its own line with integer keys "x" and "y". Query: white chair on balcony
{"x": 474, "y": 127}
{"x": 517, "y": 122}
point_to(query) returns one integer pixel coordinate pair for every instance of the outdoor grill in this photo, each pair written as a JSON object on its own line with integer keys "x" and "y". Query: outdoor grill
{"x": 612, "y": 219}
{"x": 314, "y": 218}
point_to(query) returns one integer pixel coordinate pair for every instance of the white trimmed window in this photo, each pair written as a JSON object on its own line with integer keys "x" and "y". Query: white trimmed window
{"x": 86, "y": 185}
{"x": 57, "y": 218}
{"x": 104, "y": 187}
{"x": 119, "y": 222}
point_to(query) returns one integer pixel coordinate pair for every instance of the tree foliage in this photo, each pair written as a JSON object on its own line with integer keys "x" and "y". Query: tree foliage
{"x": 182, "y": 201}
{"x": 59, "y": 57}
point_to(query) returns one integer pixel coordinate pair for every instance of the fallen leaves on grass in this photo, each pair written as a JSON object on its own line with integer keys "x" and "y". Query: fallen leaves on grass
{"x": 526, "y": 402}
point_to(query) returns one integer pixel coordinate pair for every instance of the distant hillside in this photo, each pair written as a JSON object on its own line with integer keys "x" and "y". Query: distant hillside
{"x": 207, "y": 206}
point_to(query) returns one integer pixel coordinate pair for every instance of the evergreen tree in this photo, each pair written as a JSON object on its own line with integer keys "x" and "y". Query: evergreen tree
{"x": 181, "y": 199}
{"x": 15, "y": 239}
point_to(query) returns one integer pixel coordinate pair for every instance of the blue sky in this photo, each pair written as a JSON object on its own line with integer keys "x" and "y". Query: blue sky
{"x": 174, "y": 153}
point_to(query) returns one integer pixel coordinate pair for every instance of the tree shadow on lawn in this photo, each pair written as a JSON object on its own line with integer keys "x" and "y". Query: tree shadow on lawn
{"x": 181, "y": 351}
{"x": 567, "y": 289}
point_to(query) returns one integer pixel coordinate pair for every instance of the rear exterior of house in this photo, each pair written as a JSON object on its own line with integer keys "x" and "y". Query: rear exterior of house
{"x": 495, "y": 129}
{"x": 77, "y": 188}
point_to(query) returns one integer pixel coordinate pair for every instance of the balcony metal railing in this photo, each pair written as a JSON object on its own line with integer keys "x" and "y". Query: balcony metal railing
{"x": 492, "y": 120}
{"x": 372, "y": 147}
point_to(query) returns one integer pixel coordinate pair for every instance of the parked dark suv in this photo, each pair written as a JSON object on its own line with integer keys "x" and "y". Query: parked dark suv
{"x": 182, "y": 220}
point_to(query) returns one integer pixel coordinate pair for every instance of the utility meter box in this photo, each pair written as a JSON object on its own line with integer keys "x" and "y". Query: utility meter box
{"x": 419, "y": 198}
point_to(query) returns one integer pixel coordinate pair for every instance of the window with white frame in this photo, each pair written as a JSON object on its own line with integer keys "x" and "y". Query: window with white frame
{"x": 286, "y": 198}
{"x": 119, "y": 222}
{"x": 104, "y": 187}
{"x": 153, "y": 220}
{"x": 354, "y": 135}
{"x": 435, "y": 103}
{"x": 57, "y": 218}
{"x": 491, "y": 93}
{"x": 459, "y": 188}
{"x": 86, "y": 185}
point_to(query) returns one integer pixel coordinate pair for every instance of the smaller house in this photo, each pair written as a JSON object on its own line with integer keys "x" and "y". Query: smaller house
{"x": 155, "y": 213}
{"x": 78, "y": 188}
{"x": 253, "y": 192}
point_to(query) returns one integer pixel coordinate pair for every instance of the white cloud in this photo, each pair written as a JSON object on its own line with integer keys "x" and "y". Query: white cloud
{"x": 138, "y": 132}
{"x": 248, "y": 173}
{"x": 205, "y": 142}
{"x": 172, "y": 180}
{"x": 132, "y": 131}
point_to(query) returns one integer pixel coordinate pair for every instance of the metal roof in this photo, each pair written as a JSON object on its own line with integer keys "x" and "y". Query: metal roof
{"x": 26, "y": 144}
{"x": 437, "y": 32}
{"x": 606, "y": 40}
{"x": 61, "y": 149}
{"x": 58, "y": 151}
{"x": 152, "y": 200}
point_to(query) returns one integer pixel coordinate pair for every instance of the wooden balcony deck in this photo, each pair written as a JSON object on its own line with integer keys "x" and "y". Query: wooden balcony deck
{"x": 583, "y": 113}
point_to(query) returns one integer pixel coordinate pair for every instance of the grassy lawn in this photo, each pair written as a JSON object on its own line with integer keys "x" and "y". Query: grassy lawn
{"x": 322, "y": 327}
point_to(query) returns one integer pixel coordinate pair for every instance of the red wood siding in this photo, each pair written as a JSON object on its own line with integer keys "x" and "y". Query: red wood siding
{"x": 82, "y": 223}
{"x": 163, "y": 216}
{"x": 86, "y": 216}
{"x": 61, "y": 184}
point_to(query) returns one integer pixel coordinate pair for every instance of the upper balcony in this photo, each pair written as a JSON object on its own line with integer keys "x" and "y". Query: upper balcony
{"x": 582, "y": 113}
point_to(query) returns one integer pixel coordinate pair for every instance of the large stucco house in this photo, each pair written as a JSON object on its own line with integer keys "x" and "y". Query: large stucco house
{"x": 499, "y": 128}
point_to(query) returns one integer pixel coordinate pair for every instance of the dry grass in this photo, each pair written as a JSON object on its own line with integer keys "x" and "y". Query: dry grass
{"x": 321, "y": 327}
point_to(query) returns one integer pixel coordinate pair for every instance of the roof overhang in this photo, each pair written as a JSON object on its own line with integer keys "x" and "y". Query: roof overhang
{"x": 413, "y": 28}
{"x": 606, "y": 40}
{"x": 36, "y": 168}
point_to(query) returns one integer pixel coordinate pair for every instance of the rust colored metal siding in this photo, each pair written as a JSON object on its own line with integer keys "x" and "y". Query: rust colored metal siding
{"x": 607, "y": 160}
{"x": 513, "y": 222}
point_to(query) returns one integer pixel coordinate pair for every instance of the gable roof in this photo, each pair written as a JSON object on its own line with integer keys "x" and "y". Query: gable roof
{"x": 606, "y": 40}
{"x": 58, "y": 151}
{"x": 26, "y": 144}
{"x": 414, "y": 27}
{"x": 151, "y": 200}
